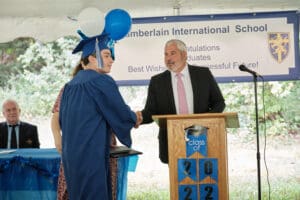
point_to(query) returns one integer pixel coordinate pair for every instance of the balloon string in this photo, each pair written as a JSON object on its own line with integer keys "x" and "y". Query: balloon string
{"x": 100, "y": 62}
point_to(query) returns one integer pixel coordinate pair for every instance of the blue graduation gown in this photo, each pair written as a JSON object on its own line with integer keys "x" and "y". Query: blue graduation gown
{"x": 91, "y": 108}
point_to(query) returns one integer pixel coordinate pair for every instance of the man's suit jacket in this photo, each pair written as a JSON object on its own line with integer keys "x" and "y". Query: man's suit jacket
{"x": 160, "y": 99}
{"x": 28, "y": 135}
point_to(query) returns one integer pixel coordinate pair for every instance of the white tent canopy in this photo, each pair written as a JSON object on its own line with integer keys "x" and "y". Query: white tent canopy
{"x": 48, "y": 20}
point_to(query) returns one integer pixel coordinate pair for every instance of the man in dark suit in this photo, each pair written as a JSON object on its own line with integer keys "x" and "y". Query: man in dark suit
{"x": 13, "y": 132}
{"x": 202, "y": 93}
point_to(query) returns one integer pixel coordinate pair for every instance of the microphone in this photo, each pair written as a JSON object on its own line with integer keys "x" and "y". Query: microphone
{"x": 245, "y": 69}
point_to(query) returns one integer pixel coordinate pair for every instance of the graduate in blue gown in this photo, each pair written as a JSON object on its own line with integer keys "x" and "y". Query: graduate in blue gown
{"x": 91, "y": 108}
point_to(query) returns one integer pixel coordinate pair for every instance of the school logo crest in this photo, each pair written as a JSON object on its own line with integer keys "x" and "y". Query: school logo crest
{"x": 279, "y": 44}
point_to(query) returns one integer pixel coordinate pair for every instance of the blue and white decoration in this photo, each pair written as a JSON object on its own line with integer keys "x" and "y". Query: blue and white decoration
{"x": 187, "y": 168}
{"x": 196, "y": 140}
{"x": 209, "y": 191}
{"x": 197, "y": 169}
{"x": 188, "y": 192}
{"x": 208, "y": 167}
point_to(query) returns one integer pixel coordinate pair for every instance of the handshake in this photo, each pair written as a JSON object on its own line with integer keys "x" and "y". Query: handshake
{"x": 139, "y": 119}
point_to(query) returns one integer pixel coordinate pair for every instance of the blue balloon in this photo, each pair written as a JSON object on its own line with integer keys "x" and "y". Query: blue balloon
{"x": 117, "y": 24}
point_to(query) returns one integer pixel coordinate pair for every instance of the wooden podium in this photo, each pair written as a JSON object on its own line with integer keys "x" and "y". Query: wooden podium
{"x": 197, "y": 145}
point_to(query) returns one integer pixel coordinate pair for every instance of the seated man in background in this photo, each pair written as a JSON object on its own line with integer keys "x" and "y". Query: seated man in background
{"x": 15, "y": 133}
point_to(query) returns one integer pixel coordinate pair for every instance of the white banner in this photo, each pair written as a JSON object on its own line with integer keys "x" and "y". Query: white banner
{"x": 267, "y": 43}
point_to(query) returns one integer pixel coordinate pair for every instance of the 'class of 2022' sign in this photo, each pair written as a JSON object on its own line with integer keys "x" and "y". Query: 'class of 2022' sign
{"x": 197, "y": 169}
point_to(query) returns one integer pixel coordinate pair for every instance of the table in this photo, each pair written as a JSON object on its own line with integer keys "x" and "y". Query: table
{"x": 29, "y": 174}
{"x": 127, "y": 162}
{"x": 33, "y": 173}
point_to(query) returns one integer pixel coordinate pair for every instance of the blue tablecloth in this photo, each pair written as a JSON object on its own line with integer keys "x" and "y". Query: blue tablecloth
{"x": 125, "y": 165}
{"x": 33, "y": 173}
{"x": 29, "y": 174}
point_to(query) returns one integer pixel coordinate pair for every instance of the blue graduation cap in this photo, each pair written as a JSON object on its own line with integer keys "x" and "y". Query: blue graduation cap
{"x": 91, "y": 45}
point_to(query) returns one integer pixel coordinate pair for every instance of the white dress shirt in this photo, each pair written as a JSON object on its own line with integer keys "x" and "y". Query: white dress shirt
{"x": 188, "y": 89}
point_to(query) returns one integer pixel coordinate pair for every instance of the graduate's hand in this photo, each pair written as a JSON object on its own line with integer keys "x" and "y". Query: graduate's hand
{"x": 58, "y": 147}
{"x": 139, "y": 119}
{"x": 113, "y": 141}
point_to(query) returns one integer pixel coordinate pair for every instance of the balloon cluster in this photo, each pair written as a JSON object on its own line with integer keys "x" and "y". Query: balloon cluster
{"x": 116, "y": 23}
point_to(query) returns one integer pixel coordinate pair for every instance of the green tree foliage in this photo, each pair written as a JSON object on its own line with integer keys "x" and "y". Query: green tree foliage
{"x": 9, "y": 52}
{"x": 45, "y": 68}
{"x": 278, "y": 105}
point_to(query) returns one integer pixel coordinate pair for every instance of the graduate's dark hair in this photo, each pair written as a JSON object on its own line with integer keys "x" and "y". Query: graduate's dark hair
{"x": 79, "y": 67}
{"x": 85, "y": 60}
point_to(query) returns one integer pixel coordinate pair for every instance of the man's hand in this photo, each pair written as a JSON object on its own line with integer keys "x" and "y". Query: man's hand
{"x": 139, "y": 119}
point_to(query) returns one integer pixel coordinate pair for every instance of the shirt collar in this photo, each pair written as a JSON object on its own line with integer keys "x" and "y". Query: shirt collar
{"x": 184, "y": 72}
{"x": 17, "y": 124}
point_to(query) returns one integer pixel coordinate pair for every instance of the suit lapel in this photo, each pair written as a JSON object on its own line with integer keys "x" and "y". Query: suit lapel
{"x": 21, "y": 130}
{"x": 195, "y": 86}
{"x": 169, "y": 92}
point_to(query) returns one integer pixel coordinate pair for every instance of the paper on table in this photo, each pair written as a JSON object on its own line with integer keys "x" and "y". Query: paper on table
{"x": 120, "y": 151}
{"x": 7, "y": 151}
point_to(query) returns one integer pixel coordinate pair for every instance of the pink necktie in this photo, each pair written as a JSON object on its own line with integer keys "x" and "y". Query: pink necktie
{"x": 183, "y": 107}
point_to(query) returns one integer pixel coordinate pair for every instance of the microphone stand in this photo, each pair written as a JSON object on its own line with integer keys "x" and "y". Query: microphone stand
{"x": 257, "y": 137}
